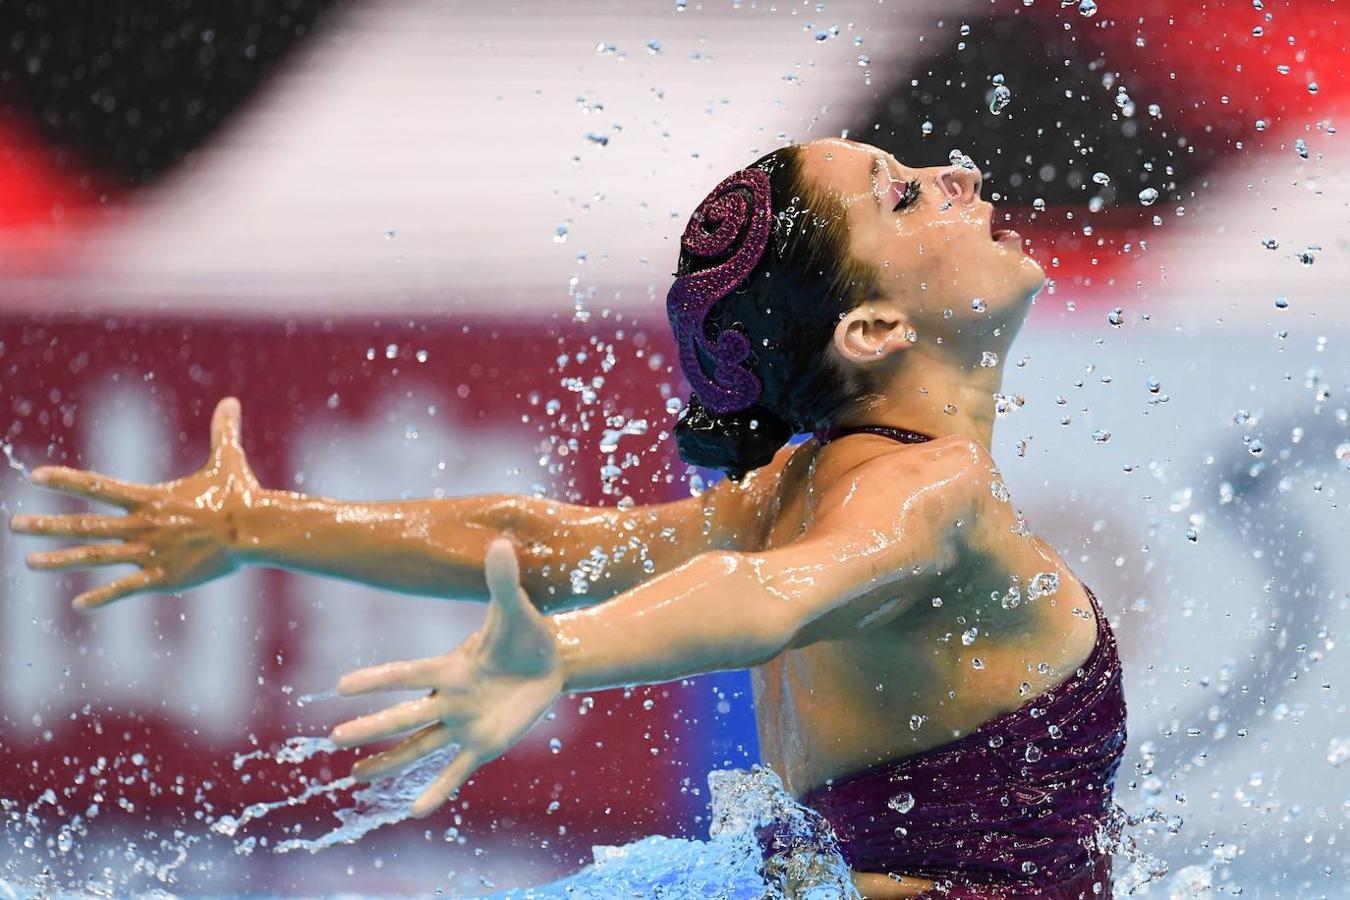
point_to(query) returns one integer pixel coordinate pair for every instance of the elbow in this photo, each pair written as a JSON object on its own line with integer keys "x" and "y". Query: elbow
{"x": 761, "y": 615}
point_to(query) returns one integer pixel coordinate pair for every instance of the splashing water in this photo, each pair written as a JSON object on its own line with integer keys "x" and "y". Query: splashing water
{"x": 383, "y": 802}
{"x": 8, "y": 449}
{"x": 761, "y": 844}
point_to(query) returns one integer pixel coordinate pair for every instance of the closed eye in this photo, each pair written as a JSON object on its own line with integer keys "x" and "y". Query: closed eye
{"x": 905, "y": 192}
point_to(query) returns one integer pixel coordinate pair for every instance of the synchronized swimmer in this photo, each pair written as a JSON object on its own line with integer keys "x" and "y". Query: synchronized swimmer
{"x": 928, "y": 673}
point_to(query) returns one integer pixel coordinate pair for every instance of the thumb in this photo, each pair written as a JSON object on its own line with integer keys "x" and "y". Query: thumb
{"x": 515, "y": 633}
{"x": 503, "y": 577}
{"x": 225, "y": 424}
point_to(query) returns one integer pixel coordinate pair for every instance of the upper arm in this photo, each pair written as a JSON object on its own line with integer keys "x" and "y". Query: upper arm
{"x": 590, "y": 553}
{"x": 882, "y": 524}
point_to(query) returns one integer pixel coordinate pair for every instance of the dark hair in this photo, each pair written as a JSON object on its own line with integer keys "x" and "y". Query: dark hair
{"x": 788, "y": 307}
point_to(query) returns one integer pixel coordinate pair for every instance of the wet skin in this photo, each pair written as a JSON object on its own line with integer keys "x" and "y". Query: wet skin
{"x": 835, "y": 553}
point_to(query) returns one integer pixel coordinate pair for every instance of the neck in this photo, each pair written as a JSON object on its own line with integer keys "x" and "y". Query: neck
{"x": 920, "y": 393}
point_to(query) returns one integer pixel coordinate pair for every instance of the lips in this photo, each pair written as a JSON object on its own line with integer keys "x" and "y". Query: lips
{"x": 1001, "y": 235}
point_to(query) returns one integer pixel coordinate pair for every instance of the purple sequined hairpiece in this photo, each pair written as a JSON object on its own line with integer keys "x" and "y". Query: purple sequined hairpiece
{"x": 713, "y": 230}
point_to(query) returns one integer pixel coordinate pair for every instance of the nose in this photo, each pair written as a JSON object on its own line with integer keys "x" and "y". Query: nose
{"x": 959, "y": 184}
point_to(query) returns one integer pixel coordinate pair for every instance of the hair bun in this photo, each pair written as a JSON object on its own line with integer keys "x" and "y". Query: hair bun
{"x": 733, "y": 443}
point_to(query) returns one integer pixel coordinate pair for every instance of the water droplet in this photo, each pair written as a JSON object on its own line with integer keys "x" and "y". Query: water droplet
{"x": 1153, "y": 384}
{"x": 1038, "y": 204}
{"x": 1029, "y": 867}
{"x": 1312, "y": 87}
{"x": 978, "y": 305}
{"x": 1301, "y": 148}
{"x": 1088, "y": 8}
{"x": 1000, "y": 99}
{"x": 555, "y": 745}
{"x": 1101, "y": 178}
{"x": 902, "y": 802}
{"x": 937, "y": 602}
{"x": 1155, "y": 110}
{"x": 916, "y": 721}
{"x": 977, "y": 663}
{"x": 1033, "y": 753}
{"x": 1281, "y": 302}
{"x": 1101, "y": 436}
{"x": 1116, "y": 317}
{"x": 988, "y": 359}
{"x": 968, "y": 637}
{"x": 1042, "y": 585}
{"x": 1148, "y": 196}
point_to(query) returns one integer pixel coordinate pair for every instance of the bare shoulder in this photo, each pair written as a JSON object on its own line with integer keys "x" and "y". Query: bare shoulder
{"x": 954, "y": 486}
{"x": 999, "y": 531}
{"x": 738, "y": 511}
{"x": 949, "y": 471}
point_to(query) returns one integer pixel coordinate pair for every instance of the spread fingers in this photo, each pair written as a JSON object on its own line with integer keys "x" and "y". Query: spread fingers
{"x": 406, "y": 675}
{"x": 91, "y": 485}
{"x": 412, "y": 748}
{"x": 91, "y": 555}
{"x": 78, "y": 525}
{"x": 144, "y": 580}
{"x": 386, "y": 724}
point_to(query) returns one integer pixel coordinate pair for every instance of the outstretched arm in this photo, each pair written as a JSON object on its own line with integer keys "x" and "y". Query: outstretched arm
{"x": 722, "y": 610}
{"x": 191, "y": 530}
{"x": 731, "y": 610}
{"x": 569, "y": 554}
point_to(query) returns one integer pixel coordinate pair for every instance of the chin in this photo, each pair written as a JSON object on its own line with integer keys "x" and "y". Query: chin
{"x": 1031, "y": 276}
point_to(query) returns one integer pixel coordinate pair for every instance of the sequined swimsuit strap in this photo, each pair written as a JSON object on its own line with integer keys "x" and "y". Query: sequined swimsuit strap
{"x": 903, "y": 435}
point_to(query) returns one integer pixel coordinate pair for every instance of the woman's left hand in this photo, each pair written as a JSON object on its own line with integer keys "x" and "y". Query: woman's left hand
{"x": 485, "y": 694}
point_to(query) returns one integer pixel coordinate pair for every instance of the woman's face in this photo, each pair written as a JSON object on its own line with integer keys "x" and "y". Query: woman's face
{"x": 930, "y": 236}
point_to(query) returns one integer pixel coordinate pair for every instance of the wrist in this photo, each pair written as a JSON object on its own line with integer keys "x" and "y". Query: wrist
{"x": 568, "y": 648}
{"x": 252, "y": 525}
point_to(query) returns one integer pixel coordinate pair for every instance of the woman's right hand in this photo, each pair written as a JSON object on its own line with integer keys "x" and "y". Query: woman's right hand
{"x": 181, "y": 533}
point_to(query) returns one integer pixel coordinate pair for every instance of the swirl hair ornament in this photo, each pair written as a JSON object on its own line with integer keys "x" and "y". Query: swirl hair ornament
{"x": 735, "y": 218}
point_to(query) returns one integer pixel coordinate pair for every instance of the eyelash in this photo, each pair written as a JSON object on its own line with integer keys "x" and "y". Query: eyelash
{"x": 908, "y": 196}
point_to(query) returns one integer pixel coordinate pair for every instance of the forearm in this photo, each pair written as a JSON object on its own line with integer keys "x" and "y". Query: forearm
{"x": 428, "y": 547}
{"x": 568, "y": 553}
{"x": 711, "y": 614}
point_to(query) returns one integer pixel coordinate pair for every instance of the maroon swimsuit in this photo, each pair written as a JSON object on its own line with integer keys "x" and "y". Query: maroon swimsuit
{"x": 1016, "y": 808}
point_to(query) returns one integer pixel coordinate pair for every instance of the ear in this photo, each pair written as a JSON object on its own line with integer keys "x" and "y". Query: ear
{"x": 871, "y": 332}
